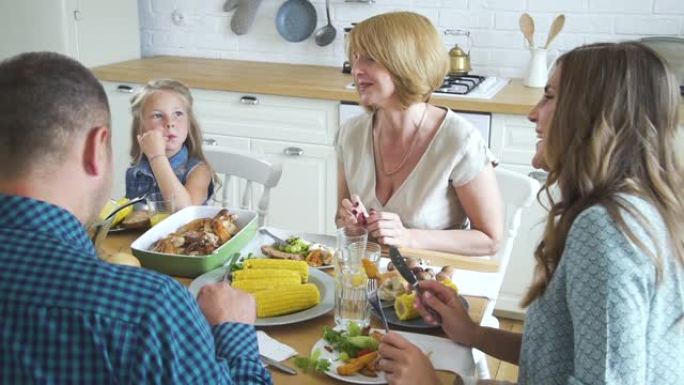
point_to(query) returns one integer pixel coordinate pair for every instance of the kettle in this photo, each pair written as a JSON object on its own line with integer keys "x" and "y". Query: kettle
{"x": 459, "y": 60}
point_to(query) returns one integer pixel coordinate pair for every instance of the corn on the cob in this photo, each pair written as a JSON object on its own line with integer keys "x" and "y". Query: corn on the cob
{"x": 254, "y": 285}
{"x": 449, "y": 283}
{"x": 300, "y": 267}
{"x": 243, "y": 274}
{"x": 286, "y": 300}
{"x": 403, "y": 307}
{"x": 403, "y": 304}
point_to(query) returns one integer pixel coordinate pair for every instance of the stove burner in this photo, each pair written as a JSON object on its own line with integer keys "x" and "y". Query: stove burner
{"x": 459, "y": 84}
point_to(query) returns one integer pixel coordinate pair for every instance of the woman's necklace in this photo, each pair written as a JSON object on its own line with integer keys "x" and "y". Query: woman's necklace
{"x": 407, "y": 153}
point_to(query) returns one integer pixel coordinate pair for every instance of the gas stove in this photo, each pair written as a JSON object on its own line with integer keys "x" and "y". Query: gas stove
{"x": 467, "y": 86}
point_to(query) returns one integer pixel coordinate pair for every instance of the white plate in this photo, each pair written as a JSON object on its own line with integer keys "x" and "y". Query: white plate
{"x": 260, "y": 239}
{"x": 334, "y": 363}
{"x": 324, "y": 282}
{"x": 444, "y": 355}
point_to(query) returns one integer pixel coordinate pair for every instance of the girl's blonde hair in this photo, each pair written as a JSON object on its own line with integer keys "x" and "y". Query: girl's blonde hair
{"x": 411, "y": 49}
{"x": 194, "y": 140}
{"x": 613, "y": 132}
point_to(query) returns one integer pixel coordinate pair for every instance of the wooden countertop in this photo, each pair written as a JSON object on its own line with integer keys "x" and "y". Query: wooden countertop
{"x": 307, "y": 81}
{"x": 302, "y": 336}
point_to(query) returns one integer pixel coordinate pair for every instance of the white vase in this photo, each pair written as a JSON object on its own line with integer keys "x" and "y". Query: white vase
{"x": 537, "y": 71}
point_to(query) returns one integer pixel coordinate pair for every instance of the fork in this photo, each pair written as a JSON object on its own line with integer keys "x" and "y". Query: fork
{"x": 374, "y": 301}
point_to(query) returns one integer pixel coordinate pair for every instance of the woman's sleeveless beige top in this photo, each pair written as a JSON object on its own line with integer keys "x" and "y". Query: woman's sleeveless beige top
{"x": 426, "y": 199}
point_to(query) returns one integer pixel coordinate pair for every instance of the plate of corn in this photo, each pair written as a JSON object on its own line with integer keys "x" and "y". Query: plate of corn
{"x": 286, "y": 291}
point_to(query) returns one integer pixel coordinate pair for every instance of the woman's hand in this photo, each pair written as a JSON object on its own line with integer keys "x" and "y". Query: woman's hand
{"x": 152, "y": 143}
{"x": 351, "y": 212}
{"x": 456, "y": 322}
{"x": 404, "y": 363}
{"x": 387, "y": 229}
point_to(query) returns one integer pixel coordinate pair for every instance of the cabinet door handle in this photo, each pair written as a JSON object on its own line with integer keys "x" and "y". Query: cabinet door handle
{"x": 540, "y": 176}
{"x": 124, "y": 88}
{"x": 250, "y": 100}
{"x": 293, "y": 151}
{"x": 209, "y": 142}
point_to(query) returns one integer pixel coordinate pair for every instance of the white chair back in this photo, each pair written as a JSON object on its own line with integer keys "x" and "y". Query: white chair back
{"x": 518, "y": 191}
{"x": 245, "y": 166}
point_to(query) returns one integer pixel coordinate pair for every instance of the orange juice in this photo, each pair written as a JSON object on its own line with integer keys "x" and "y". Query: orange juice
{"x": 158, "y": 217}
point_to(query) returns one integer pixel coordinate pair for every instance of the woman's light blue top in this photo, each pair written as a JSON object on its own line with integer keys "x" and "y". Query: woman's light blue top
{"x": 603, "y": 318}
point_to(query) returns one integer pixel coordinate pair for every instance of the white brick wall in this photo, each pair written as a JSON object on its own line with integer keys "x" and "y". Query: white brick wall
{"x": 498, "y": 45}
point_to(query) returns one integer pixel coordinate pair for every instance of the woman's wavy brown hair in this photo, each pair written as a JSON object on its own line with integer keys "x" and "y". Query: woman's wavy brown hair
{"x": 613, "y": 133}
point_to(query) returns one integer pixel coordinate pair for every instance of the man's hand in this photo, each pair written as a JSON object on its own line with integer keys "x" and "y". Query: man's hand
{"x": 221, "y": 303}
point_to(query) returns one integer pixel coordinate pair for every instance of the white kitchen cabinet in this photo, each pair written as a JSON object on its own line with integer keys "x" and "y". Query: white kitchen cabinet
{"x": 305, "y": 198}
{"x": 513, "y": 142}
{"x": 296, "y": 132}
{"x": 119, "y": 95}
{"x": 94, "y": 32}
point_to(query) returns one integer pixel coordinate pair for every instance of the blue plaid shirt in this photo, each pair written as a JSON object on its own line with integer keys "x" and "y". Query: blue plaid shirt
{"x": 66, "y": 317}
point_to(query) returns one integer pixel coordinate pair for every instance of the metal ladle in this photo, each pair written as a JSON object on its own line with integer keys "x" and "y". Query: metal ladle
{"x": 326, "y": 34}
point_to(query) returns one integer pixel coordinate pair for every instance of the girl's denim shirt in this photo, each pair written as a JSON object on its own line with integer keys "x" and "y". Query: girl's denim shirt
{"x": 140, "y": 180}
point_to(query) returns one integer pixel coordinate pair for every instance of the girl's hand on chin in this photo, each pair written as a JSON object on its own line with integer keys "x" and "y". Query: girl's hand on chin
{"x": 152, "y": 143}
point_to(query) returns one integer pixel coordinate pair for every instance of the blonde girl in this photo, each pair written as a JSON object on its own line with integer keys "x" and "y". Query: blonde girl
{"x": 167, "y": 152}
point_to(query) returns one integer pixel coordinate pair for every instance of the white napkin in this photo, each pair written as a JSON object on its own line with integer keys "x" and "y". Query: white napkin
{"x": 272, "y": 348}
{"x": 444, "y": 354}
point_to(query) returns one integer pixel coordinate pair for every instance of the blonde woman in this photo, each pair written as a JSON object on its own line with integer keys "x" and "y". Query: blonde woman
{"x": 414, "y": 174}
{"x": 167, "y": 152}
{"x": 607, "y": 304}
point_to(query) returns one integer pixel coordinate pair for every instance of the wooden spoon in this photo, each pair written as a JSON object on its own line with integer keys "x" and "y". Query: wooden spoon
{"x": 527, "y": 28}
{"x": 556, "y": 27}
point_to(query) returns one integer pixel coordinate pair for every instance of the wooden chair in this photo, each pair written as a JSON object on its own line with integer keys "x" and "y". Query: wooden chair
{"x": 251, "y": 169}
{"x": 483, "y": 276}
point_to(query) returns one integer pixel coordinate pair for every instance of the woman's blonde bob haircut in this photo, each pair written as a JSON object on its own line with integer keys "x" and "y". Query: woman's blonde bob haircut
{"x": 613, "y": 133}
{"x": 409, "y": 47}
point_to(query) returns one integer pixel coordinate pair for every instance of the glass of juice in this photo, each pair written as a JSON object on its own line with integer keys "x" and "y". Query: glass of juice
{"x": 159, "y": 208}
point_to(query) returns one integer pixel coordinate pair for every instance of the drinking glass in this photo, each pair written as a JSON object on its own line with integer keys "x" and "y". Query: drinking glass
{"x": 373, "y": 253}
{"x": 351, "y": 299}
{"x": 159, "y": 208}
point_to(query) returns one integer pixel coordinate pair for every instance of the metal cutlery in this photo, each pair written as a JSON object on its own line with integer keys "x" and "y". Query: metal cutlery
{"x": 406, "y": 273}
{"x": 279, "y": 241}
{"x": 129, "y": 203}
{"x": 374, "y": 301}
{"x": 278, "y": 365}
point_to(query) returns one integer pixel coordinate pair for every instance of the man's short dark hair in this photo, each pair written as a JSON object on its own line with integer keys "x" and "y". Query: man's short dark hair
{"x": 46, "y": 100}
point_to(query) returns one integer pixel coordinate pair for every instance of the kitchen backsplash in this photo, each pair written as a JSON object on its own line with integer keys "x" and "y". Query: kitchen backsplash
{"x": 202, "y": 28}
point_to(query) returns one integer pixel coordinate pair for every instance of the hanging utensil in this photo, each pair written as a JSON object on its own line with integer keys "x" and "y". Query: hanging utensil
{"x": 296, "y": 20}
{"x": 556, "y": 27}
{"x": 527, "y": 28}
{"x": 326, "y": 34}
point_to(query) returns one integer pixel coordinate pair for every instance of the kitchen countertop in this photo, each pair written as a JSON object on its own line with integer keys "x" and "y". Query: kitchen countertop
{"x": 308, "y": 81}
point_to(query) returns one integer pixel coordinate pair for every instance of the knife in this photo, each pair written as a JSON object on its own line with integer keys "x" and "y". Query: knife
{"x": 279, "y": 365}
{"x": 406, "y": 273}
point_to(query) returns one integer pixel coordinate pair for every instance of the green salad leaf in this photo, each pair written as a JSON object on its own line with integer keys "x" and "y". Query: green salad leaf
{"x": 295, "y": 245}
{"x": 313, "y": 363}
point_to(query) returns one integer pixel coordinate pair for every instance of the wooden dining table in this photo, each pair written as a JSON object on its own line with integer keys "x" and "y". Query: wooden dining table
{"x": 302, "y": 335}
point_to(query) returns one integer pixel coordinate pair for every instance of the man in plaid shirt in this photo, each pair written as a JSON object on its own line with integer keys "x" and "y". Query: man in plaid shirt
{"x": 66, "y": 317}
